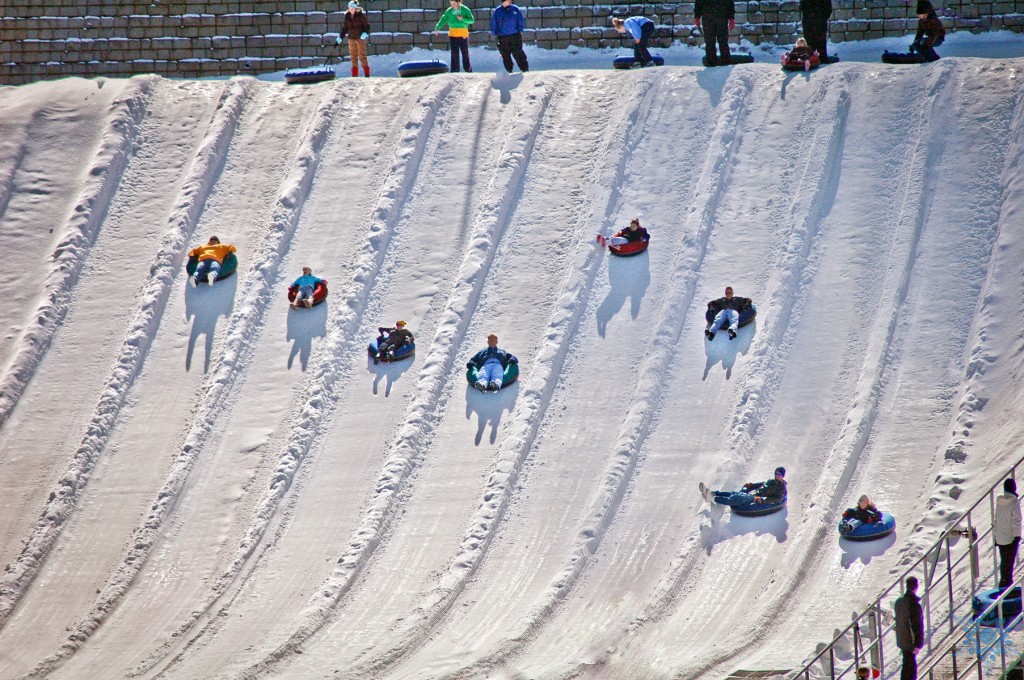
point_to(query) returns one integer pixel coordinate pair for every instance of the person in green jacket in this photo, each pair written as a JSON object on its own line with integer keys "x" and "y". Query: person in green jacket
{"x": 458, "y": 18}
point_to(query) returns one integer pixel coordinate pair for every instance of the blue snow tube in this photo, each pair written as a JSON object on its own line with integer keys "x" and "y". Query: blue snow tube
{"x": 854, "y": 530}
{"x": 310, "y": 74}
{"x": 227, "y": 267}
{"x": 982, "y": 601}
{"x": 627, "y": 61}
{"x": 753, "y": 509}
{"x": 413, "y": 69}
{"x": 746, "y": 316}
{"x": 510, "y": 375}
{"x": 403, "y": 352}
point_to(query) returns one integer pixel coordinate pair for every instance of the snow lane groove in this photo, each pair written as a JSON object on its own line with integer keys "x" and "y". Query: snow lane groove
{"x": 907, "y": 226}
{"x": 544, "y": 372}
{"x": 434, "y": 377}
{"x": 714, "y": 178}
{"x": 320, "y": 388}
{"x": 78, "y": 232}
{"x": 163, "y": 272}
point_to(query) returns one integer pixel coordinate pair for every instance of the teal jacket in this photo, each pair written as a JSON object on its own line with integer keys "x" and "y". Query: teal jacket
{"x": 461, "y": 19}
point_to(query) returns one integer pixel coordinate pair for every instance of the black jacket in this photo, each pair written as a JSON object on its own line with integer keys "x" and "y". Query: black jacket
{"x": 909, "y": 622}
{"x": 931, "y": 30}
{"x": 771, "y": 491}
{"x": 397, "y": 335}
{"x": 634, "y": 234}
{"x": 720, "y": 9}
{"x": 866, "y": 515}
{"x": 738, "y": 303}
{"x": 816, "y": 8}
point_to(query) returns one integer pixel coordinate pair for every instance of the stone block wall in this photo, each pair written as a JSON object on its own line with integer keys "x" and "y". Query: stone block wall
{"x": 42, "y": 39}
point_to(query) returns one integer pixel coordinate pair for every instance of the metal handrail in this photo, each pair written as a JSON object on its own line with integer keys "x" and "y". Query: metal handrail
{"x": 873, "y": 617}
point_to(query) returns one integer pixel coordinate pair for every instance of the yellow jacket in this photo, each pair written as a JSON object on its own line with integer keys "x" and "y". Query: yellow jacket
{"x": 212, "y": 251}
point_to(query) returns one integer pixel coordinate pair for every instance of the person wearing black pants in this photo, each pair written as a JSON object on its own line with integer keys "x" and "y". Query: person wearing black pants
{"x": 1006, "y": 521}
{"x": 909, "y": 629}
{"x": 507, "y": 24}
{"x": 815, "y": 15}
{"x": 641, "y": 29}
{"x": 715, "y": 18}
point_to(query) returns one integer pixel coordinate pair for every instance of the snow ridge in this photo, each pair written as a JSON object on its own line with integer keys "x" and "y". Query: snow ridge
{"x": 7, "y": 184}
{"x": 127, "y": 112}
{"x": 608, "y": 178}
{"x": 435, "y": 376}
{"x": 194, "y": 191}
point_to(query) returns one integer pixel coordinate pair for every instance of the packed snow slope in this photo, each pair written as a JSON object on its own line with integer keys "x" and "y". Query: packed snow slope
{"x": 203, "y": 483}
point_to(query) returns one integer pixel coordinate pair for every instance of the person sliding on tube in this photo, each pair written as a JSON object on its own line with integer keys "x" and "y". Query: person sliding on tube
{"x": 396, "y": 337}
{"x": 771, "y": 491}
{"x": 727, "y": 312}
{"x": 865, "y": 513}
{"x": 491, "y": 363}
{"x": 210, "y": 257}
{"x": 304, "y": 286}
{"x": 634, "y": 232}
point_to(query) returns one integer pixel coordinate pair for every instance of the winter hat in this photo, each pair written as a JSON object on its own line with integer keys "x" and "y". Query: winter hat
{"x": 780, "y": 471}
{"x": 923, "y": 7}
{"x": 1010, "y": 486}
{"x": 399, "y": 324}
{"x": 354, "y": 5}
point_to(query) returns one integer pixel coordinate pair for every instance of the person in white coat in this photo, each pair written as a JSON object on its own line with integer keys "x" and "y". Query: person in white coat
{"x": 1006, "y": 530}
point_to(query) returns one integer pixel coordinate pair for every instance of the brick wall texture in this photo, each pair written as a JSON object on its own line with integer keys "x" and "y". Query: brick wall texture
{"x": 42, "y": 39}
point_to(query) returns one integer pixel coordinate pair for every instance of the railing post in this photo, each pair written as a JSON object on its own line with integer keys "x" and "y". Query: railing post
{"x": 949, "y": 584}
{"x": 832, "y": 662}
{"x": 977, "y": 646}
{"x": 878, "y": 636}
{"x": 856, "y": 646}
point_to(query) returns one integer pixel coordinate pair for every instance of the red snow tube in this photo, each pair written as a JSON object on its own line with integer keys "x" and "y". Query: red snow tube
{"x": 794, "y": 63}
{"x": 319, "y": 292}
{"x": 631, "y": 248}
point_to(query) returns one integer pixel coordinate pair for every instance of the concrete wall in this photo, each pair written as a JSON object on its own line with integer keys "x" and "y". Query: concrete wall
{"x": 186, "y": 38}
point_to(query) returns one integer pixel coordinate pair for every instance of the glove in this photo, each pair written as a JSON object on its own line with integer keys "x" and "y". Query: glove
{"x": 513, "y": 360}
{"x": 732, "y": 24}
{"x": 364, "y": 36}
{"x": 915, "y": 46}
{"x": 696, "y": 22}
{"x": 337, "y": 40}
{"x": 469, "y": 364}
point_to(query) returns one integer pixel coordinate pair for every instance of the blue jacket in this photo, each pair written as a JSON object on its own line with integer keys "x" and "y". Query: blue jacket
{"x": 306, "y": 280}
{"x": 634, "y": 25}
{"x": 507, "y": 20}
{"x": 491, "y": 353}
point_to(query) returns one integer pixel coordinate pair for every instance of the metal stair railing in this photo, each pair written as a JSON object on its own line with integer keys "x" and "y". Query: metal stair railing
{"x": 950, "y": 585}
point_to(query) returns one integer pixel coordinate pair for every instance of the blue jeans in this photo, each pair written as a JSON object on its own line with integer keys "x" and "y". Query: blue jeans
{"x": 205, "y": 267}
{"x": 730, "y": 318}
{"x": 491, "y": 371}
{"x": 303, "y": 293}
{"x": 457, "y": 45}
{"x": 733, "y": 498}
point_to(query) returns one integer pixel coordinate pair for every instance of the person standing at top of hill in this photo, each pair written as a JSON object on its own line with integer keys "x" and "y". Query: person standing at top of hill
{"x": 716, "y": 18}
{"x": 814, "y": 15}
{"x": 930, "y": 31}
{"x": 507, "y": 24}
{"x": 458, "y": 19}
{"x": 357, "y": 27}
{"x": 641, "y": 29}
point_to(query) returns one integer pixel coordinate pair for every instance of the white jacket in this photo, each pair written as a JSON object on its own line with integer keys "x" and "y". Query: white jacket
{"x": 1006, "y": 520}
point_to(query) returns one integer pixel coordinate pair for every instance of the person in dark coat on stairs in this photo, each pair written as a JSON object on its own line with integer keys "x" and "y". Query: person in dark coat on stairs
{"x": 909, "y": 629}
{"x": 716, "y": 18}
{"x": 814, "y": 15}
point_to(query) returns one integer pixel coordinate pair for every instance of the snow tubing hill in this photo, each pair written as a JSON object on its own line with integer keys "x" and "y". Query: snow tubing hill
{"x": 627, "y": 61}
{"x": 746, "y": 316}
{"x": 630, "y": 249}
{"x": 753, "y": 509}
{"x": 414, "y": 69}
{"x": 870, "y": 531}
{"x": 311, "y": 74}
{"x": 735, "y": 58}
{"x": 982, "y": 601}
{"x": 902, "y": 58}
{"x": 319, "y": 292}
{"x": 510, "y": 375}
{"x": 404, "y": 352}
{"x": 791, "y": 63}
{"x": 227, "y": 267}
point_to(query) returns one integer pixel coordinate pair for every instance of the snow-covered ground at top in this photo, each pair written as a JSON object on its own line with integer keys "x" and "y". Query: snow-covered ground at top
{"x": 204, "y": 483}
